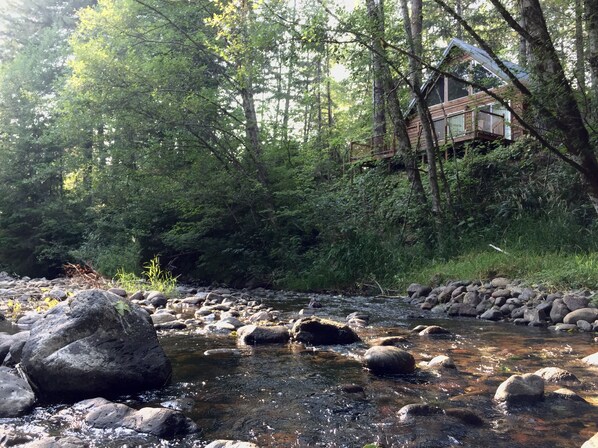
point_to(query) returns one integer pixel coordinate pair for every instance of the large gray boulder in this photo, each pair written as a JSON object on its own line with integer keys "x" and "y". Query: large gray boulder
{"x": 16, "y": 396}
{"x": 160, "y": 422}
{"x": 520, "y": 389}
{"x": 388, "y": 360}
{"x": 256, "y": 335}
{"x": 95, "y": 343}
{"x": 587, "y": 314}
{"x": 316, "y": 331}
{"x": 558, "y": 311}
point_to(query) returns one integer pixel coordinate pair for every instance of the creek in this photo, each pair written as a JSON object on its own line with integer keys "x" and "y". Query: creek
{"x": 296, "y": 396}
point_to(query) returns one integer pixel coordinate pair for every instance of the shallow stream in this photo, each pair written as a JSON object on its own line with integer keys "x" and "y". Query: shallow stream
{"x": 295, "y": 396}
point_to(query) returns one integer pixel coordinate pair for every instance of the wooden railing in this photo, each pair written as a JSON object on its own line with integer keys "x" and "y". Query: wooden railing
{"x": 373, "y": 149}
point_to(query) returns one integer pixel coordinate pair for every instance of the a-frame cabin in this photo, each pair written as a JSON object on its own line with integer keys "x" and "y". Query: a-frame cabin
{"x": 460, "y": 112}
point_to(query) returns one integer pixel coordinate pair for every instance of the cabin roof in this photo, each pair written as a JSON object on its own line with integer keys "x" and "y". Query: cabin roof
{"x": 477, "y": 55}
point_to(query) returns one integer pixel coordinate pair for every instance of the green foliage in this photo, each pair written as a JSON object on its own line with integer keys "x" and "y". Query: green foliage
{"x": 154, "y": 277}
{"x": 122, "y": 307}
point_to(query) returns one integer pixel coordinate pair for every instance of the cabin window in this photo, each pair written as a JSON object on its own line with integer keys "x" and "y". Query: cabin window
{"x": 495, "y": 119}
{"x": 439, "y": 129}
{"x": 436, "y": 95}
{"x": 457, "y": 89}
{"x": 456, "y": 125}
{"x": 483, "y": 77}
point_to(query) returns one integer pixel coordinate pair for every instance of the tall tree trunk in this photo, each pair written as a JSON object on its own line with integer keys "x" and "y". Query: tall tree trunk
{"x": 591, "y": 18}
{"x": 557, "y": 94}
{"x": 394, "y": 108}
{"x": 376, "y": 14}
{"x": 413, "y": 30}
{"x": 579, "y": 46}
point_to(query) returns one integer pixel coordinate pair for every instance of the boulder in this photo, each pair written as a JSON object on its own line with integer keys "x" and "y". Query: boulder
{"x": 388, "y": 360}
{"x": 558, "y": 311}
{"x": 575, "y": 302}
{"x": 584, "y": 325}
{"x": 591, "y": 443}
{"x": 535, "y": 317}
{"x": 567, "y": 394}
{"x": 95, "y": 343}
{"x": 160, "y": 422}
{"x": 157, "y": 299}
{"x": 162, "y": 318}
{"x": 15, "y": 349}
{"x": 462, "y": 309}
{"x": 520, "y": 389}
{"x": 591, "y": 359}
{"x": 409, "y": 411}
{"x": 434, "y": 330}
{"x": 395, "y": 341}
{"x": 16, "y": 396}
{"x": 441, "y": 361}
{"x": 231, "y": 444}
{"x": 587, "y": 314}
{"x": 492, "y": 314}
{"x": 316, "y": 331}
{"x": 118, "y": 291}
{"x": 256, "y": 335}
{"x": 556, "y": 375}
{"x": 499, "y": 282}
{"x": 57, "y": 442}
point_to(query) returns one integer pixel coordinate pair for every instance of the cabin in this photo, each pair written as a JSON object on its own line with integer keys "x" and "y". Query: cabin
{"x": 460, "y": 112}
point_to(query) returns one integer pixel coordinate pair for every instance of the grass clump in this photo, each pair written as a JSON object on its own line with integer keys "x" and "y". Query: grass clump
{"x": 153, "y": 276}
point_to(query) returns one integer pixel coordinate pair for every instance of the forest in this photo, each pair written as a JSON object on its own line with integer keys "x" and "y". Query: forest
{"x": 217, "y": 136}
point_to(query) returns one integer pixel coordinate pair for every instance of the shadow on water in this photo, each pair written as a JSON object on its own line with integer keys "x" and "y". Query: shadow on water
{"x": 296, "y": 396}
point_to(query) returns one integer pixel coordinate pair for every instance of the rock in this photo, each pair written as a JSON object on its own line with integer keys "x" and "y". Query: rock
{"x": 118, "y": 291}
{"x": 358, "y": 315}
{"x": 409, "y": 411}
{"x": 565, "y": 327}
{"x": 27, "y": 321}
{"x": 584, "y": 325}
{"x": 95, "y": 343}
{"x": 445, "y": 295}
{"x": 465, "y": 415}
{"x": 535, "y": 317}
{"x": 223, "y": 352}
{"x": 429, "y": 303}
{"x": 575, "y": 302}
{"x": 162, "y": 318}
{"x": 502, "y": 293}
{"x": 256, "y": 335}
{"x": 422, "y": 291}
{"x": 545, "y": 307}
{"x": 412, "y": 288}
{"x": 434, "y": 330}
{"x": 499, "y": 282}
{"x": 352, "y": 388}
{"x": 157, "y": 299}
{"x": 492, "y": 314}
{"x": 519, "y": 389}
{"x": 395, "y": 341}
{"x": 388, "y": 360}
{"x": 314, "y": 303}
{"x": 15, "y": 350}
{"x": 587, "y": 314}
{"x": 160, "y": 422}
{"x": 173, "y": 325}
{"x": 462, "y": 309}
{"x": 518, "y": 313}
{"x": 231, "y": 444}
{"x": 441, "y": 361}
{"x": 567, "y": 394}
{"x": 260, "y": 316}
{"x": 591, "y": 443}
{"x": 558, "y": 311}
{"x": 591, "y": 359}
{"x": 472, "y": 298}
{"x": 57, "y": 442}
{"x": 137, "y": 296}
{"x": 316, "y": 331}
{"x": 556, "y": 375}
{"x": 16, "y": 396}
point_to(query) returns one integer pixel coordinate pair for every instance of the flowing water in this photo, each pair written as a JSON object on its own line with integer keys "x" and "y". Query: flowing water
{"x": 296, "y": 396}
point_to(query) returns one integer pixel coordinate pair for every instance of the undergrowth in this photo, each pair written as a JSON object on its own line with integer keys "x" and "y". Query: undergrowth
{"x": 153, "y": 276}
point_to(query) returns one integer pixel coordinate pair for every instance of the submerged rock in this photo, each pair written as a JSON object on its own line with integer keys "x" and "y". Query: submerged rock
{"x": 316, "y": 331}
{"x": 16, "y": 396}
{"x": 434, "y": 330}
{"x": 520, "y": 389}
{"x": 389, "y": 360}
{"x": 409, "y": 411}
{"x": 94, "y": 344}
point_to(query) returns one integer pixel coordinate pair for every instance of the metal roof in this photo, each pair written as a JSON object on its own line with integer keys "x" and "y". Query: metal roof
{"x": 477, "y": 55}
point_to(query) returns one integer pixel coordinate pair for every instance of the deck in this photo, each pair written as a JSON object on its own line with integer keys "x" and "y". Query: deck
{"x": 458, "y": 128}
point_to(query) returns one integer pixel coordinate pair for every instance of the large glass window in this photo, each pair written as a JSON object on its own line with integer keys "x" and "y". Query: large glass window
{"x": 436, "y": 95}
{"x": 483, "y": 77}
{"x": 456, "y": 125}
{"x": 458, "y": 89}
{"x": 439, "y": 128}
